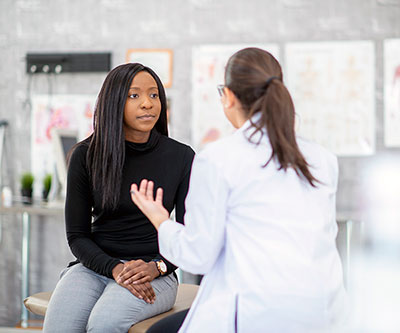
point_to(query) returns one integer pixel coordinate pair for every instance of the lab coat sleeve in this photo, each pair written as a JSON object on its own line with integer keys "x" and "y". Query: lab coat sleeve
{"x": 195, "y": 246}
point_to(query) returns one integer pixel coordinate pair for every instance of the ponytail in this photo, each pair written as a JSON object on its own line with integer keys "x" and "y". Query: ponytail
{"x": 255, "y": 77}
{"x": 278, "y": 117}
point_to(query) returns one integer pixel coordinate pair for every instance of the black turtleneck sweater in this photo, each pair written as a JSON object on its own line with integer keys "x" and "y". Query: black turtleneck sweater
{"x": 99, "y": 239}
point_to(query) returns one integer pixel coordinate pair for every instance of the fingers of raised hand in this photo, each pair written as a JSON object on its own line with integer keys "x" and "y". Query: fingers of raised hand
{"x": 146, "y": 189}
{"x": 149, "y": 190}
{"x": 143, "y": 186}
{"x": 134, "y": 195}
{"x": 159, "y": 195}
{"x": 134, "y": 189}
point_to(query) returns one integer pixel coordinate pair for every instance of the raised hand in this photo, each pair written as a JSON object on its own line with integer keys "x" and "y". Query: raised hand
{"x": 144, "y": 199}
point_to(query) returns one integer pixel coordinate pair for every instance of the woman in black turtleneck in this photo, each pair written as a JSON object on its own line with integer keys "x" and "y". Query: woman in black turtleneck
{"x": 119, "y": 277}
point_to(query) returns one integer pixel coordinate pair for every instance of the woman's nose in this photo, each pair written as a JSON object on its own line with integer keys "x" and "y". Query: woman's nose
{"x": 147, "y": 103}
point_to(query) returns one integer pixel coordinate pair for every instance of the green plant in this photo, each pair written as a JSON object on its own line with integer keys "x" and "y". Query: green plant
{"x": 27, "y": 181}
{"x": 47, "y": 182}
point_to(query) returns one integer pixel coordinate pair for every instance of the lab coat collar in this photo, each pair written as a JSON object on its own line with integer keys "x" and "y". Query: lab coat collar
{"x": 247, "y": 129}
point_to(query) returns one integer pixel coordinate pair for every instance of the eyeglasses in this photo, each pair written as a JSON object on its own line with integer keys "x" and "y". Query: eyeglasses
{"x": 220, "y": 89}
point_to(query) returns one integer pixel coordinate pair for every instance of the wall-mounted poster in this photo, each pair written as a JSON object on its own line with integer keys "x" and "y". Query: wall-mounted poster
{"x": 208, "y": 119}
{"x": 71, "y": 112}
{"x": 332, "y": 85}
{"x": 159, "y": 60}
{"x": 392, "y": 92}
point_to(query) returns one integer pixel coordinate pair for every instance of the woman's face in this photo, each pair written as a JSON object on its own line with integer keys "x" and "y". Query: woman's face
{"x": 142, "y": 108}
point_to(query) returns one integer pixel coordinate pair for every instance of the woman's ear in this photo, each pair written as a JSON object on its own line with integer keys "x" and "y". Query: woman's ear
{"x": 232, "y": 108}
{"x": 229, "y": 99}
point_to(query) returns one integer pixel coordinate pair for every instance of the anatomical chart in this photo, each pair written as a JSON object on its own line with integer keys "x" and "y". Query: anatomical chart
{"x": 332, "y": 85}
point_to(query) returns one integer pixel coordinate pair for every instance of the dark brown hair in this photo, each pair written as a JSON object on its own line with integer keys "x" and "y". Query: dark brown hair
{"x": 255, "y": 77}
{"x": 106, "y": 154}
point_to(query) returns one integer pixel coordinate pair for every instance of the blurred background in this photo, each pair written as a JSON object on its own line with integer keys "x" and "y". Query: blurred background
{"x": 341, "y": 63}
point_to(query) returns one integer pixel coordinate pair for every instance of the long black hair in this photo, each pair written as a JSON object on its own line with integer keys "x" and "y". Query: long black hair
{"x": 106, "y": 154}
{"x": 255, "y": 77}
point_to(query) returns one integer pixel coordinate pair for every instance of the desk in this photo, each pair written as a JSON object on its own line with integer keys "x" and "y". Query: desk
{"x": 26, "y": 211}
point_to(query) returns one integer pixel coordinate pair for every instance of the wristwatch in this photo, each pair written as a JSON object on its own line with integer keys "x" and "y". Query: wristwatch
{"x": 161, "y": 266}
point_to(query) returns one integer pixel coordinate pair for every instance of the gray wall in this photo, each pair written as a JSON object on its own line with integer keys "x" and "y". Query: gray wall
{"x": 116, "y": 25}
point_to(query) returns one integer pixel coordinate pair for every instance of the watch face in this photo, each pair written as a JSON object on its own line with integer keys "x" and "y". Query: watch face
{"x": 163, "y": 267}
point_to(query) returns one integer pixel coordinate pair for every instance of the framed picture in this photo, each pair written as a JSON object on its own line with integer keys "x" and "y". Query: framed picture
{"x": 159, "y": 60}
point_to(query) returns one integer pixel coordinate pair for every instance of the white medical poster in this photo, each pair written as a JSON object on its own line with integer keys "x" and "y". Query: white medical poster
{"x": 159, "y": 60}
{"x": 332, "y": 85}
{"x": 392, "y": 92}
{"x": 70, "y": 112}
{"x": 208, "y": 119}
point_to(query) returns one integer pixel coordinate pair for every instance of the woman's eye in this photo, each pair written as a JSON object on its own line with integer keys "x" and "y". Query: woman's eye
{"x": 154, "y": 95}
{"x": 133, "y": 96}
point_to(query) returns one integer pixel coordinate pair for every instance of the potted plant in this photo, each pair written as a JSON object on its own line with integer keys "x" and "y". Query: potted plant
{"x": 27, "y": 187}
{"x": 46, "y": 186}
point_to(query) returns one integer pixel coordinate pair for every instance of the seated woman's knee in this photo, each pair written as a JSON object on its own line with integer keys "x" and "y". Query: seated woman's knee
{"x": 104, "y": 322}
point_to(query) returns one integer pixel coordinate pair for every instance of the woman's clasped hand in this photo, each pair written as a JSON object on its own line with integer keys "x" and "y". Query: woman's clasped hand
{"x": 136, "y": 275}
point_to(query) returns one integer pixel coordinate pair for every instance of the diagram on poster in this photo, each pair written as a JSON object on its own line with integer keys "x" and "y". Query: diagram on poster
{"x": 332, "y": 85}
{"x": 71, "y": 112}
{"x": 208, "y": 120}
{"x": 392, "y": 92}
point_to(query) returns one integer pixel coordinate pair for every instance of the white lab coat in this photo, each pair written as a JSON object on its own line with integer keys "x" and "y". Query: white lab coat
{"x": 263, "y": 237}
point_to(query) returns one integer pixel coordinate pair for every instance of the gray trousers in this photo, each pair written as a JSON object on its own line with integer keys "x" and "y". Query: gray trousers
{"x": 84, "y": 301}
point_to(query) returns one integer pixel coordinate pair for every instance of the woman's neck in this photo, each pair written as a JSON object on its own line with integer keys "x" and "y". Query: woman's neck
{"x": 137, "y": 137}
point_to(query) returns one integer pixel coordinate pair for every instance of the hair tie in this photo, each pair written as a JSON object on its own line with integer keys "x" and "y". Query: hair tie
{"x": 268, "y": 82}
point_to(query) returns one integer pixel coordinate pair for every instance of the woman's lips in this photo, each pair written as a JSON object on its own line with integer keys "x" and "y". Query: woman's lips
{"x": 146, "y": 117}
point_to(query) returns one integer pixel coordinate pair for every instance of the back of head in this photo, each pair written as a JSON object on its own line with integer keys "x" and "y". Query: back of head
{"x": 247, "y": 73}
{"x": 255, "y": 77}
